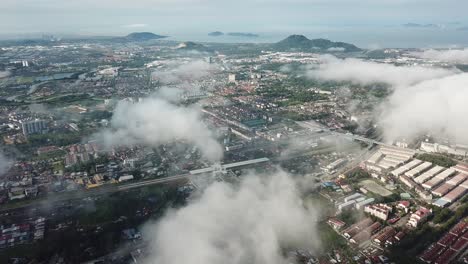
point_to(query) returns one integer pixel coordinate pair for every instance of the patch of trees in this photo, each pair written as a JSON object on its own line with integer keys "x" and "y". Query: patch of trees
{"x": 57, "y": 139}
{"x": 437, "y": 159}
{"x": 98, "y": 115}
{"x": 357, "y": 174}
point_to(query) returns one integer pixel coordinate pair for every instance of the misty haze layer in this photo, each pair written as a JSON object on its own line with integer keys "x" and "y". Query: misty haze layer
{"x": 438, "y": 106}
{"x": 453, "y": 55}
{"x": 367, "y": 72}
{"x": 184, "y": 72}
{"x": 247, "y": 224}
{"x": 424, "y": 100}
{"x": 155, "y": 121}
{"x": 5, "y": 163}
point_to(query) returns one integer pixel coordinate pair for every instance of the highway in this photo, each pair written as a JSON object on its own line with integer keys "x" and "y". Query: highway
{"x": 100, "y": 190}
{"x": 80, "y": 194}
{"x": 112, "y": 188}
{"x": 152, "y": 182}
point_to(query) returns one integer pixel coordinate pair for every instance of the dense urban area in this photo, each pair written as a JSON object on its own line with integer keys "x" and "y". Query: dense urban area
{"x": 102, "y": 138}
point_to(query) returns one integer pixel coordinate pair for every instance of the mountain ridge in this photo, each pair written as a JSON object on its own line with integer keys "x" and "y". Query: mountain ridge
{"x": 143, "y": 36}
{"x": 300, "y": 42}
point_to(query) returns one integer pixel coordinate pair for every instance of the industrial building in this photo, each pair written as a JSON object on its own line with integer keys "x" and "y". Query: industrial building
{"x": 446, "y": 173}
{"x": 459, "y": 178}
{"x": 346, "y": 205}
{"x": 439, "y": 178}
{"x": 455, "y": 194}
{"x": 360, "y": 205}
{"x": 443, "y": 189}
{"x": 335, "y": 165}
{"x": 388, "y": 157}
{"x": 353, "y": 197}
{"x": 429, "y": 185}
{"x": 407, "y": 181}
{"x": 429, "y": 174}
{"x": 418, "y": 170}
{"x": 408, "y": 166}
{"x": 461, "y": 168}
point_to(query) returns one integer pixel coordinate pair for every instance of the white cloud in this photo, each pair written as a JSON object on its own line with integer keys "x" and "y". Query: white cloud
{"x": 336, "y": 49}
{"x": 451, "y": 55}
{"x": 368, "y": 72}
{"x": 424, "y": 99}
{"x": 135, "y": 26}
{"x": 434, "y": 106}
{"x": 155, "y": 121}
{"x": 175, "y": 72}
{"x": 250, "y": 223}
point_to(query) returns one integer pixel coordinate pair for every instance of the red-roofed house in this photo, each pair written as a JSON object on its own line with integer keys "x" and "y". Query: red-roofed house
{"x": 404, "y": 205}
{"x": 419, "y": 217}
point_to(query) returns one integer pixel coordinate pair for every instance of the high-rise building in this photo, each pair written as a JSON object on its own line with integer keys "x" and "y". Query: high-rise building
{"x": 232, "y": 78}
{"x": 36, "y": 126}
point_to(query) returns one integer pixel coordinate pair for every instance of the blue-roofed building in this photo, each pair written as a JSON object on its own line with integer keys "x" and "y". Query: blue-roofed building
{"x": 328, "y": 184}
{"x": 441, "y": 203}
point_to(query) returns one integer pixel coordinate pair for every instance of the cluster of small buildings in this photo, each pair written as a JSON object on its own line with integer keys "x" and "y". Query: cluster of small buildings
{"x": 368, "y": 230}
{"x": 388, "y": 236}
{"x": 16, "y": 234}
{"x": 243, "y": 117}
{"x": 80, "y": 153}
{"x": 449, "y": 246}
{"x": 19, "y": 188}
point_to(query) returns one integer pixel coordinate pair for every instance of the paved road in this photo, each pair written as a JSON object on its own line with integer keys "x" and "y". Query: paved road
{"x": 127, "y": 186}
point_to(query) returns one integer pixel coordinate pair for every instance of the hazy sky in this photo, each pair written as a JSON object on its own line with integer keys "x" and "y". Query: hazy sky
{"x": 366, "y": 18}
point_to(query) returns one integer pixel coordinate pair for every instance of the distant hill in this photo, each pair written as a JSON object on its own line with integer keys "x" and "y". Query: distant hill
{"x": 301, "y": 43}
{"x": 215, "y": 34}
{"x": 416, "y": 25}
{"x": 241, "y": 34}
{"x": 143, "y": 36}
{"x": 192, "y": 46}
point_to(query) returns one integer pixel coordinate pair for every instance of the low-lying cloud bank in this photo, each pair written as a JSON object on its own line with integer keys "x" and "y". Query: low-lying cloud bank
{"x": 451, "y": 56}
{"x": 184, "y": 72}
{"x": 368, "y": 72}
{"x": 247, "y": 224}
{"x": 436, "y": 106}
{"x": 156, "y": 121}
{"x": 423, "y": 99}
